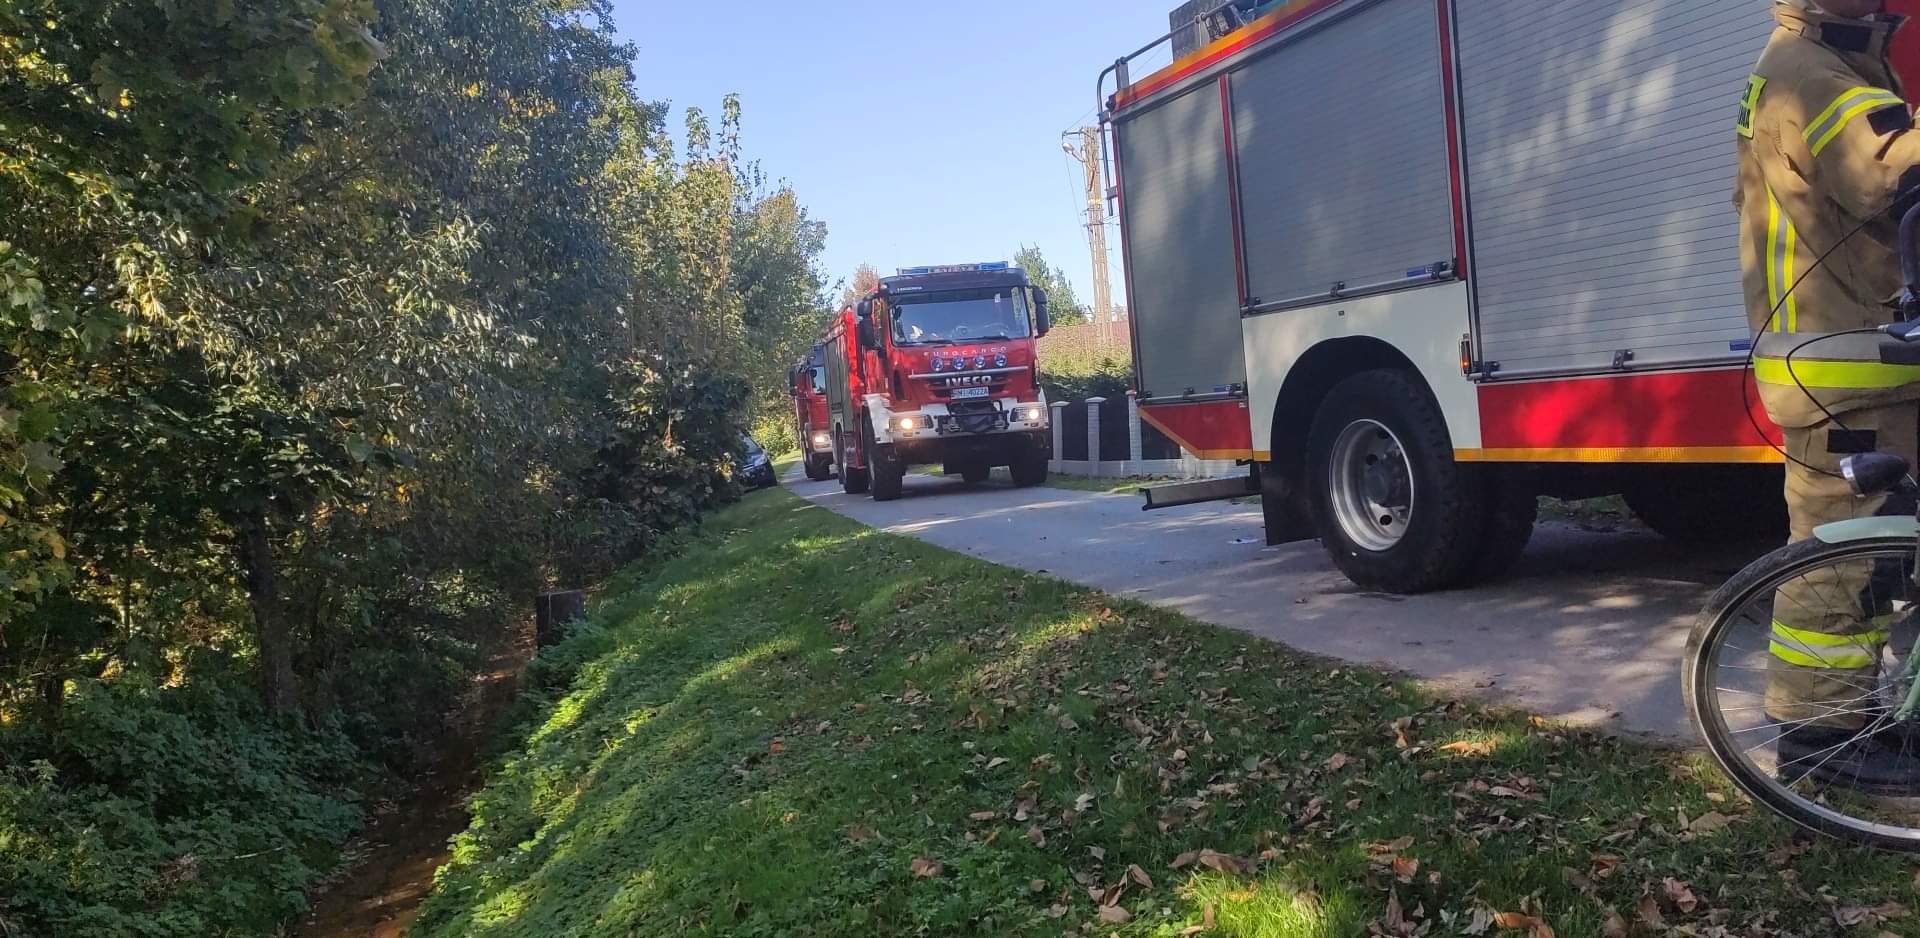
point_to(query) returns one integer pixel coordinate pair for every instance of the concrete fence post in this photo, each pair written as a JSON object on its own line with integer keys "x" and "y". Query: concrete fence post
{"x": 1059, "y": 431}
{"x": 1093, "y": 431}
{"x": 1136, "y": 448}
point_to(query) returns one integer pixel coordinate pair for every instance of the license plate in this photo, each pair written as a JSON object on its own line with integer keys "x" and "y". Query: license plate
{"x": 962, "y": 394}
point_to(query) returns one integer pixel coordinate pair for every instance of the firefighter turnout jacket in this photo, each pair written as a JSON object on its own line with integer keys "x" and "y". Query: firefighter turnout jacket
{"x": 1826, "y": 145}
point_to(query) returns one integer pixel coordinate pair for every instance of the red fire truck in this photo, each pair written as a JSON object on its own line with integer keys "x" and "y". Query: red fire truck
{"x": 1419, "y": 261}
{"x": 807, "y": 382}
{"x": 938, "y": 366}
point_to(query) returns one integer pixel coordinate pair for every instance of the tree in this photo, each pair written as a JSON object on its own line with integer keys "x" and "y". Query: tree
{"x": 865, "y": 278}
{"x": 1064, "y": 306}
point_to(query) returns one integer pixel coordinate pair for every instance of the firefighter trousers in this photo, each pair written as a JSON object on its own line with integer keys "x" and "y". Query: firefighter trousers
{"x": 1830, "y": 625}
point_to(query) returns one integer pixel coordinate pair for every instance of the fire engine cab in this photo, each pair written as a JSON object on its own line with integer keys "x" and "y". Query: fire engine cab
{"x": 937, "y": 366}
{"x": 807, "y": 382}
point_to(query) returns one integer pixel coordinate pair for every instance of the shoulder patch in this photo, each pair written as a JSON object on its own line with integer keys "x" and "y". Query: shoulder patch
{"x": 1749, "y": 103}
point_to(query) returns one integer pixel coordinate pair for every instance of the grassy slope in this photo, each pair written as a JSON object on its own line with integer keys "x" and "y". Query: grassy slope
{"x": 765, "y": 734}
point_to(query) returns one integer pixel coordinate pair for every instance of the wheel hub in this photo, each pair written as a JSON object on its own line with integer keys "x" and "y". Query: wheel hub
{"x": 1372, "y": 485}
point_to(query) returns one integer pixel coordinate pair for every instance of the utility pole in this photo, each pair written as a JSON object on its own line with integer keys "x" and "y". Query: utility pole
{"x": 1084, "y": 145}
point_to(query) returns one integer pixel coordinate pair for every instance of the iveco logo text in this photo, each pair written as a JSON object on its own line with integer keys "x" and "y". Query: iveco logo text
{"x": 962, "y": 381}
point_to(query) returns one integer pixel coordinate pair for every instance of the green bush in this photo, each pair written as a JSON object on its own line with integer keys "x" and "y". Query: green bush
{"x": 168, "y": 811}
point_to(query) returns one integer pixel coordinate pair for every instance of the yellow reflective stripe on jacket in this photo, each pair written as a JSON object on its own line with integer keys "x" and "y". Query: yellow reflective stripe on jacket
{"x": 1864, "y": 376}
{"x": 1826, "y": 128}
{"x": 1832, "y": 652}
{"x": 1782, "y": 242}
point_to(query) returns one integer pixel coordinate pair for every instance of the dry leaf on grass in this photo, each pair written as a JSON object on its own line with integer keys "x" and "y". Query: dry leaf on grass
{"x": 1468, "y": 749}
{"x": 1405, "y": 869}
{"x": 927, "y": 868}
{"x": 1649, "y": 912}
{"x": 983, "y": 815}
{"x": 1708, "y": 823}
{"x": 1680, "y": 895}
{"x": 1115, "y": 915}
{"x": 1139, "y": 875}
{"x": 1338, "y": 761}
{"x": 1520, "y": 921}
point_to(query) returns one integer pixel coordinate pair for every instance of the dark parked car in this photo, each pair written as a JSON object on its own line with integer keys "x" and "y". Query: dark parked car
{"x": 752, "y": 466}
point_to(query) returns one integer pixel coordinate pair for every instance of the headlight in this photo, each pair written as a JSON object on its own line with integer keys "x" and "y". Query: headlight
{"x": 1033, "y": 414}
{"x": 821, "y": 439}
{"x": 909, "y": 423}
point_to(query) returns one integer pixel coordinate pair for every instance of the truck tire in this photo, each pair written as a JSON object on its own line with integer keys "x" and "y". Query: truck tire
{"x": 819, "y": 468}
{"x": 888, "y": 474}
{"x": 1513, "y": 507}
{"x": 1029, "y": 468}
{"x": 852, "y": 481}
{"x": 1713, "y": 504}
{"x": 1392, "y": 508}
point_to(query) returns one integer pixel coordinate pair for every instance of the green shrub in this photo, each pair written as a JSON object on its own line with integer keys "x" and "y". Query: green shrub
{"x": 168, "y": 811}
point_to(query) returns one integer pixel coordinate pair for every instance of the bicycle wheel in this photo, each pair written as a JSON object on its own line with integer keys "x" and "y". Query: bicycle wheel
{"x": 1740, "y": 671}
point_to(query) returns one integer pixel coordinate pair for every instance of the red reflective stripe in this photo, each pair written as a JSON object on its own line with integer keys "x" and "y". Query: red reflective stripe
{"x": 1222, "y": 49}
{"x": 1678, "y": 410}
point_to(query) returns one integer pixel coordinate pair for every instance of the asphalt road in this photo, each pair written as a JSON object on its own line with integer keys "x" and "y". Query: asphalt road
{"x": 1589, "y": 628}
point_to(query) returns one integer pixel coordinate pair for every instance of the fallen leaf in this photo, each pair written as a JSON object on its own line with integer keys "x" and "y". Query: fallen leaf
{"x": 1338, "y": 761}
{"x": 1082, "y": 803}
{"x": 1037, "y": 885}
{"x": 1396, "y": 917}
{"x": 1056, "y": 910}
{"x": 1515, "y": 921}
{"x": 1220, "y": 862}
{"x": 1066, "y": 723}
{"x": 1615, "y": 927}
{"x": 1405, "y": 869}
{"x": 1468, "y": 749}
{"x": 997, "y": 762}
{"x": 1709, "y": 822}
{"x": 1038, "y": 836}
{"x": 777, "y": 746}
{"x": 1115, "y": 915}
{"x": 1649, "y": 912}
{"x": 1849, "y": 916}
{"x": 1391, "y": 846}
{"x": 1680, "y": 895}
{"x": 1185, "y": 860}
{"x": 983, "y": 815}
{"x": 1139, "y": 875}
{"x": 1099, "y": 853}
{"x": 925, "y": 868}
{"x": 1479, "y": 923}
{"x": 860, "y": 833}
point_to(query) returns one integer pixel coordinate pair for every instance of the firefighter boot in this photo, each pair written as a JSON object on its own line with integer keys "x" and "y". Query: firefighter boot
{"x": 1855, "y": 760}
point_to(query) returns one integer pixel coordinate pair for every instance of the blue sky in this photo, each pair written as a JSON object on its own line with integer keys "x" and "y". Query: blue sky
{"x": 920, "y": 133}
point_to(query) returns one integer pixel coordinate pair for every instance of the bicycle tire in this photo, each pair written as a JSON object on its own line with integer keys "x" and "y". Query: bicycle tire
{"x": 1709, "y": 631}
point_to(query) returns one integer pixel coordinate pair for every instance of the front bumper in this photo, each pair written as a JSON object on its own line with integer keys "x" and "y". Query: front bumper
{"x": 938, "y": 422}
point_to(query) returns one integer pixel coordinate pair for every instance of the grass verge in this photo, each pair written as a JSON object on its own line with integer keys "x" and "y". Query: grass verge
{"x": 799, "y": 726}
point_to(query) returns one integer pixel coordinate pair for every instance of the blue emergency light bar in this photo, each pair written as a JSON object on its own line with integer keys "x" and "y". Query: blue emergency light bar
{"x": 954, "y": 269}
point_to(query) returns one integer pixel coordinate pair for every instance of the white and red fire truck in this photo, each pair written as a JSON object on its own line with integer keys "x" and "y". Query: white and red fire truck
{"x": 1419, "y": 261}
{"x": 938, "y": 366}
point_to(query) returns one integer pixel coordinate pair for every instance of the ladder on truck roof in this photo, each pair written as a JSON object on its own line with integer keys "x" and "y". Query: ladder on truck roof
{"x": 1197, "y": 23}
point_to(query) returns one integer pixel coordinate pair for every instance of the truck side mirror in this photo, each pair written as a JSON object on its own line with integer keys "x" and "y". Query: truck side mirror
{"x": 1042, "y": 320}
{"x": 864, "y": 309}
{"x": 864, "y": 331}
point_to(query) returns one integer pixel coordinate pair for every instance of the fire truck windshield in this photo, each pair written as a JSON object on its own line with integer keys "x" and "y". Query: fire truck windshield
{"x": 819, "y": 379}
{"x": 960, "y": 316}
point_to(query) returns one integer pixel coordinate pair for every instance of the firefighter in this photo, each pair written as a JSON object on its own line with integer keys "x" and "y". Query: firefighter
{"x": 1827, "y": 145}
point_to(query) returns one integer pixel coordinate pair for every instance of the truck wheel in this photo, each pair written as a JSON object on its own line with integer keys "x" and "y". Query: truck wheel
{"x": 819, "y": 468}
{"x": 1029, "y": 468}
{"x": 1391, "y": 506}
{"x": 889, "y": 474}
{"x": 1713, "y": 504}
{"x": 975, "y": 473}
{"x": 852, "y": 481}
{"x": 1513, "y": 507}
